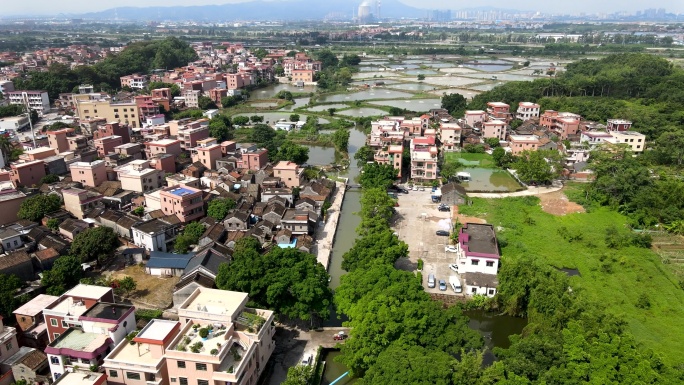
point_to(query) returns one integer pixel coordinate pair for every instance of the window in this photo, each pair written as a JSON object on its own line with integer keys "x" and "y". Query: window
{"x": 54, "y": 360}
{"x": 474, "y": 290}
{"x": 181, "y": 364}
{"x": 55, "y": 336}
{"x": 182, "y": 381}
{"x": 113, "y": 373}
{"x": 173, "y": 379}
{"x": 64, "y": 324}
{"x": 132, "y": 376}
{"x": 53, "y": 322}
{"x": 490, "y": 291}
{"x": 490, "y": 263}
{"x": 202, "y": 382}
{"x": 200, "y": 366}
{"x": 475, "y": 262}
{"x": 8, "y": 346}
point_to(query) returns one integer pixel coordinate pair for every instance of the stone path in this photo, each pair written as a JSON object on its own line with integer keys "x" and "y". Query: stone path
{"x": 326, "y": 236}
{"x": 528, "y": 192}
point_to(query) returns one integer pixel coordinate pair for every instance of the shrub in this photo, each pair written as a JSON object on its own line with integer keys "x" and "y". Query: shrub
{"x": 420, "y": 264}
{"x": 643, "y": 302}
{"x": 213, "y": 352}
{"x": 204, "y": 332}
{"x": 148, "y": 314}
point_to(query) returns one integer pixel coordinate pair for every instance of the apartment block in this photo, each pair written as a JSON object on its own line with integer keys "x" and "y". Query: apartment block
{"x": 423, "y": 159}
{"x": 290, "y": 174}
{"x": 563, "y": 123}
{"x": 499, "y": 110}
{"x": 36, "y": 100}
{"x": 494, "y": 128}
{"x": 450, "y": 136}
{"x": 126, "y": 113}
{"x": 89, "y": 174}
{"x": 111, "y": 129}
{"x": 106, "y": 145}
{"x": 183, "y": 201}
{"x": 138, "y": 176}
{"x": 59, "y": 139}
{"x": 27, "y": 173}
{"x": 191, "y": 133}
{"x": 78, "y": 201}
{"x": 192, "y": 98}
{"x": 527, "y": 111}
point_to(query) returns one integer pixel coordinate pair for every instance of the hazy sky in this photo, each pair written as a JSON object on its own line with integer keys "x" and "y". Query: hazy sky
{"x": 27, "y": 7}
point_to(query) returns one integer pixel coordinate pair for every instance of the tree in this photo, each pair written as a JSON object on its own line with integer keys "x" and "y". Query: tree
{"x": 502, "y": 158}
{"x": 279, "y": 70}
{"x": 401, "y": 364}
{"x": 53, "y": 224}
{"x": 9, "y": 285}
{"x": 139, "y": 211}
{"x": 219, "y": 128}
{"x": 240, "y": 120}
{"x": 340, "y": 139}
{"x": 350, "y": 60}
{"x": 454, "y": 103}
{"x": 256, "y": 118}
{"x": 288, "y": 281}
{"x": 492, "y": 142}
{"x": 262, "y": 134}
{"x": 377, "y": 175}
{"x": 542, "y": 166}
{"x": 284, "y": 94}
{"x": 65, "y": 273}
{"x": 421, "y": 77}
{"x": 125, "y": 286}
{"x": 363, "y": 155}
{"x": 449, "y": 169}
{"x": 190, "y": 236}
{"x": 94, "y": 244}
{"x": 219, "y": 208}
{"x": 36, "y": 207}
{"x": 230, "y": 101}
{"x": 294, "y": 117}
{"x": 299, "y": 375}
{"x": 327, "y": 58}
{"x": 205, "y": 103}
{"x": 293, "y": 152}
{"x": 331, "y": 111}
{"x": 48, "y": 179}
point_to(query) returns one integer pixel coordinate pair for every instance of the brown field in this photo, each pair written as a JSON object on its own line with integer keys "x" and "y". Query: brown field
{"x": 153, "y": 292}
{"x": 556, "y": 203}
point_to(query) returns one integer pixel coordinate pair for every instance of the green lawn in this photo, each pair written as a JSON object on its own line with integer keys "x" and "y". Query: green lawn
{"x": 470, "y": 160}
{"x": 615, "y": 278}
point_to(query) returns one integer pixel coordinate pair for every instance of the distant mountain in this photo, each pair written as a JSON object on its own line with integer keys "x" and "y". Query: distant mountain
{"x": 255, "y": 10}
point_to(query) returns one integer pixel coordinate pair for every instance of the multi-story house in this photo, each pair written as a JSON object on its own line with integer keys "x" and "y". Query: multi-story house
{"x": 134, "y": 81}
{"x": 191, "y": 98}
{"x": 478, "y": 255}
{"x": 290, "y": 174}
{"x": 138, "y": 176}
{"x": 253, "y": 159}
{"x": 192, "y": 133}
{"x": 27, "y": 173}
{"x": 633, "y": 139}
{"x": 8, "y": 341}
{"x": 183, "y": 201}
{"x": 58, "y": 139}
{"x": 527, "y": 111}
{"x": 475, "y": 116}
{"x": 36, "y": 100}
{"x": 593, "y": 138}
{"x": 236, "y": 349}
{"x": 143, "y": 361}
{"x": 78, "y": 201}
{"x": 10, "y": 201}
{"x": 65, "y": 312}
{"x": 618, "y": 125}
{"x": 126, "y": 113}
{"x": 450, "y": 136}
{"x": 423, "y": 159}
{"x": 520, "y": 143}
{"x": 390, "y": 155}
{"x": 494, "y": 128}
{"x": 207, "y": 155}
{"x": 105, "y": 145}
{"x": 563, "y": 123}
{"x": 154, "y": 235}
{"x": 163, "y": 146}
{"x": 113, "y": 128}
{"x": 30, "y": 322}
{"x": 302, "y": 76}
{"x": 89, "y": 174}
{"x": 499, "y": 110}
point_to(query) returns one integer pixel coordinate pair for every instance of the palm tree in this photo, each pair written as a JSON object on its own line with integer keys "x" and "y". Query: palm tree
{"x": 5, "y": 148}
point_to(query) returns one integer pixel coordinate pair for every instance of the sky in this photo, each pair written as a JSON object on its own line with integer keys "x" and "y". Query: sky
{"x": 42, "y": 7}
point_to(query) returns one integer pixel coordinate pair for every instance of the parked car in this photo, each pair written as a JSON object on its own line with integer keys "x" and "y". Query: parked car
{"x": 442, "y": 233}
{"x": 450, "y": 248}
{"x": 339, "y": 336}
{"x": 453, "y": 267}
{"x": 415, "y": 188}
{"x": 442, "y": 285}
{"x": 306, "y": 360}
{"x": 443, "y": 207}
{"x": 431, "y": 281}
{"x": 398, "y": 189}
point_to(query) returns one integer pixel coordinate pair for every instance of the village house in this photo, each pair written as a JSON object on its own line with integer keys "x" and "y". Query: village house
{"x": 478, "y": 252}
{"x": 89, "y": 174}
{"x": 183, "y": 201}
{"x": 154, "y": 234}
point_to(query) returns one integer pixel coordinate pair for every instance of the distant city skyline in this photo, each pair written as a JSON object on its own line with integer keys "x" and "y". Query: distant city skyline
{"x": 51, "y": 7}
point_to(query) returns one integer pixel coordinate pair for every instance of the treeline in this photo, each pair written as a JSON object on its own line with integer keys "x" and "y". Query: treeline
{"x": 336, "y": 72}
{"x": 139, "y": 57}
{"x": 398, "y": 334}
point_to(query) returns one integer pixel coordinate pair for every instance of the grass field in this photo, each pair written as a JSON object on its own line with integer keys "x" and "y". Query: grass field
{"x": 615, "y": 278}
{"x": 470, "y": 160}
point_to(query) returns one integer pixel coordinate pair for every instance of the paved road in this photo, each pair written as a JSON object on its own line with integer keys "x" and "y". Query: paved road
{"x": 528, "y": 192}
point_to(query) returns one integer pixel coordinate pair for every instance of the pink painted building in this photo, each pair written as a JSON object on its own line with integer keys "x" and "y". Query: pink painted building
{"x": 183, "y": 201}
{"x": 27, "y": 173}
{"x": 564, "y": 123}
{"x": 253, "y": 160}
{"x": 618, "y": 125}
{"x": 499, "y": 110}
{"x": 192, "y": 133}
{"x": 289, "y": 173}
{"x": 89, "y": 174}
{"x": 163, "y": 146}
{"x": 476, "y": 116}
{"x": 390, "y": 155}
{"x": 207, "y": 155}
{"x": 520, "y": 143}
{"x": 423, "y": 159}
{"x": 106, "y": 145}
{"x": 494, "y": 129}
{"x": 58, "y": 139}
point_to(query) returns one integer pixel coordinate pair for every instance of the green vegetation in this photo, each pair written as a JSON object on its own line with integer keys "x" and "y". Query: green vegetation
{"x": 219, "y": 208}
{"x": 94, "y": 244}
{"x": 455, "y": 104}
{"x": 469, "y": 159}
{"x": 124, "y": 286}
{"x": 335, "y": 73}
{"x": 615, "y": 276}
{"x": 391, "y": 317}
{"x": 138, "y": 57}
{"x": 50, "y": 178}
{"x": 299, "y": 375}
{"x": 220, "y": 127}
{"x": 542, "y": 166}
{"x": 190, "y": 236}
{"x": 9, "y": 302}
{"x": 288, "y": 281}
{"x": 148, "y": 314}
{"x": 37, "y": 206}
{"x": 378, "y": 176}
{"x": 65, "y": 273}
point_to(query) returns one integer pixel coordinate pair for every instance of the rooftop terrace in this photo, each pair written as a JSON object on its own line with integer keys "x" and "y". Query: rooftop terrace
{"x": 480, "y": 238}
{"x": 109, "y": 311}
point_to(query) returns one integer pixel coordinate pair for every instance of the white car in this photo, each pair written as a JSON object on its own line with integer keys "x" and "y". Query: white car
{"x": 454, "y": 267}
{"x": 450, "y": 249}
{"x": 415, "y": 188}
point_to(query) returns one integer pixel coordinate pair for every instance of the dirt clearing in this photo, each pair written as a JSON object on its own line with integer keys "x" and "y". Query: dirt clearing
{"x": 155, "y": 292}
{"x": 556, "y": 203}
